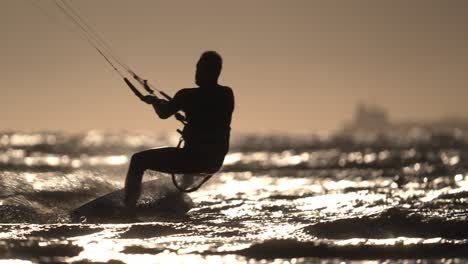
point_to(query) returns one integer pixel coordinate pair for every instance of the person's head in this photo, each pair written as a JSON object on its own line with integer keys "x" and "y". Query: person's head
{"x": 208, "y": 68}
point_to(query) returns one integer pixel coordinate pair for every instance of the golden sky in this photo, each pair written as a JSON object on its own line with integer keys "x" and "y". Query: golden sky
{"x": 295, "y": 66}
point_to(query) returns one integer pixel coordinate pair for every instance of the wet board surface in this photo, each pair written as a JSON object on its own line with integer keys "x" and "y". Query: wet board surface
{"x": 158, "y": 198}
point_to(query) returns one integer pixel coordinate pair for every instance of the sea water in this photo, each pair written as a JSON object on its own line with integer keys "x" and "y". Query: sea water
{"x": 398, "y": 197}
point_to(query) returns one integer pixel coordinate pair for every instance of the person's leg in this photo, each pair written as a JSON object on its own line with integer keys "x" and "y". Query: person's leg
{"x": 169, "y": 160}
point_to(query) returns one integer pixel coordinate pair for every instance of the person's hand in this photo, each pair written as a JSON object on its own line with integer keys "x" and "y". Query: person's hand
{"x": 149, "y": 99}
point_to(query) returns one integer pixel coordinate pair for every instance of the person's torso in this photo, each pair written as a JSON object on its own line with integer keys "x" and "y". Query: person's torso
{"x": 208, "y": 112}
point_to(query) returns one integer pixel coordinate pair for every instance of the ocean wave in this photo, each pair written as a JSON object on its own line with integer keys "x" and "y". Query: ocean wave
{"x": 47, "y": 197}
{"x": 47, "y": 151}
{"x": 34, "y": 249}
{"x": 108, "y": 142}
{"x": 391, "y": 223}
{"x": 56, "y": 198}
{"x": 409, "y": 162}
{"x": 289, "y": 248}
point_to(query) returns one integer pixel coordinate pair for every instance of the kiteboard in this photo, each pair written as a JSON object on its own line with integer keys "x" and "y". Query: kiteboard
{"x": 158, "y": 198}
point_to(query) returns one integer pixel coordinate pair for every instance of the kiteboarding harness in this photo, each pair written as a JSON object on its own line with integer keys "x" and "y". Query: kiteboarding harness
{"x": 88, "y": 34}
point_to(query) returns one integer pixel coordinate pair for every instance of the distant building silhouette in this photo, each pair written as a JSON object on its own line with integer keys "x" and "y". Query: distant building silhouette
{"x": 370, "y": 118}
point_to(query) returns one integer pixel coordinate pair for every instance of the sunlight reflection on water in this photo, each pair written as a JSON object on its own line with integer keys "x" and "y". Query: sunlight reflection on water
{"x": 395, "y": 197}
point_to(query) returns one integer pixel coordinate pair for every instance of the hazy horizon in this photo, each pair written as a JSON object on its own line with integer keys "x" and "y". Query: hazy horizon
{"x": 295, "y": 67}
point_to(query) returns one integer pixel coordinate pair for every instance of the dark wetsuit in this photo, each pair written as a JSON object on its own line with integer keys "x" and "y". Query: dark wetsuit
{"x": 208, "y": 112}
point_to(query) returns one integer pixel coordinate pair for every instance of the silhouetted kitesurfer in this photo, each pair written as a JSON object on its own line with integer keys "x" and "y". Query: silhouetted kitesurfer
{"x": 208, "y": 110}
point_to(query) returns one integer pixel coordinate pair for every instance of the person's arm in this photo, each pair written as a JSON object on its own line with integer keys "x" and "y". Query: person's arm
{"x": 164, "y": 108}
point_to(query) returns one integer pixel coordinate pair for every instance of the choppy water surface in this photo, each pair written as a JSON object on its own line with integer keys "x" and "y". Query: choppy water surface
{"x": 397, "y": 197}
